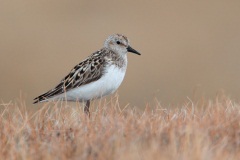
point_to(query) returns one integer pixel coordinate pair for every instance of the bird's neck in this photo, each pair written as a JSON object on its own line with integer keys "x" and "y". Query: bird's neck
{"x": 121, "y": 62}
{"x": 117, "y": 59}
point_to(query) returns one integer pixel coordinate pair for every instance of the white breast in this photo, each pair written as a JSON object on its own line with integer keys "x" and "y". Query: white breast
{"x": 106, "y": 85}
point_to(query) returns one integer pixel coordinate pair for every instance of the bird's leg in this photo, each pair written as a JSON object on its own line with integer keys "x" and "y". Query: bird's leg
{"x": 86, "y": 108}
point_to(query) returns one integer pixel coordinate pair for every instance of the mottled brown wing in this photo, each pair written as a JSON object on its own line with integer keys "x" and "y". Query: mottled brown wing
{"x": 85, "y": 72}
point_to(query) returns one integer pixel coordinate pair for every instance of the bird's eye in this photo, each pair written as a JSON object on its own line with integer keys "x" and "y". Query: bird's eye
{"x": 118, "y": 42}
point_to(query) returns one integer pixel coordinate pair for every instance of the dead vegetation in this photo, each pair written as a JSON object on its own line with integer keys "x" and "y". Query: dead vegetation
{"x": 206, "y": 130}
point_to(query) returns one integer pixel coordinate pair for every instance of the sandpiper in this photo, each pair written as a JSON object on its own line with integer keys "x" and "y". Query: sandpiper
{"x": 98, "y": 75}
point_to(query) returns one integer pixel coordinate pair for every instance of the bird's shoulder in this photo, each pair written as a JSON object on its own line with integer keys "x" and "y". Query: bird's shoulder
{"x": 90, "y": 69}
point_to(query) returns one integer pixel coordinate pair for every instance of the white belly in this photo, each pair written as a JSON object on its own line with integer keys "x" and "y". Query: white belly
{"x": 106, "y": 85}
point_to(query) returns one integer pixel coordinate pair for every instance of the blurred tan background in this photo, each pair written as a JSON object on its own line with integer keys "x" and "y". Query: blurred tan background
{"x": 186, "y": 46}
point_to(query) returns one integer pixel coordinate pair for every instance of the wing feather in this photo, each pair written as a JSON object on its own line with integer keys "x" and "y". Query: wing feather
{"x": 89, "y": 70}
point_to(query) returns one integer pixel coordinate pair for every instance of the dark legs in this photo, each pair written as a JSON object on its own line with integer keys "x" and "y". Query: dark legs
{"x": 86, "y": 108}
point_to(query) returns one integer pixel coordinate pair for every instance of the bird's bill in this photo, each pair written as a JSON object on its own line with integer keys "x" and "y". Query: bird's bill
{"x": 130, "y": 49}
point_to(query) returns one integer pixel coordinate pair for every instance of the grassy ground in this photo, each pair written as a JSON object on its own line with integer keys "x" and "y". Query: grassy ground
{"x": 206, "y": 130}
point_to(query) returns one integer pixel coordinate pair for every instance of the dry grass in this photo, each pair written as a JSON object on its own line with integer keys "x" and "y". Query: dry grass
{"x": 205, "y": 130}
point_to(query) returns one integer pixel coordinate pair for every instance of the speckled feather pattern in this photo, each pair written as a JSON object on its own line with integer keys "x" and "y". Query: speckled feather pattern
{"x": 89, "y": 70}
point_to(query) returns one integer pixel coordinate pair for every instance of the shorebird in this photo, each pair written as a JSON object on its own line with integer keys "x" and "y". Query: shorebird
{"x": 98, "y": 75}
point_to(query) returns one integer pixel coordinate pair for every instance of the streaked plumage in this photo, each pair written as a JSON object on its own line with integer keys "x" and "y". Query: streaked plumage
{"x": 98, "y": 75}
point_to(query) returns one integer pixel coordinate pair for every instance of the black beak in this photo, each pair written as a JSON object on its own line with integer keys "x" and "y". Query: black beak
{"x": 130, "y": 49}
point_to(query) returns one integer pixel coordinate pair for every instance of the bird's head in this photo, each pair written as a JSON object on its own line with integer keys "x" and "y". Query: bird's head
{"x": 120, "y": 44}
